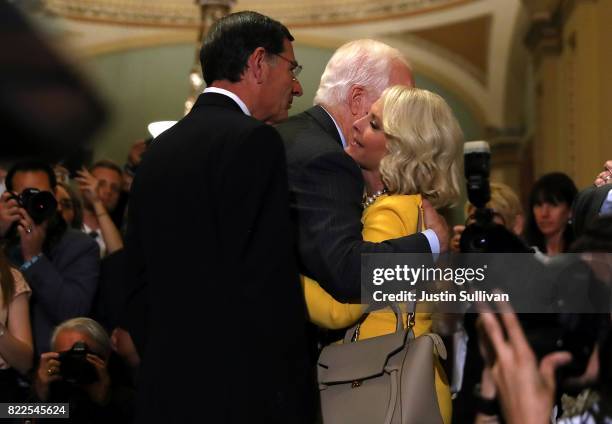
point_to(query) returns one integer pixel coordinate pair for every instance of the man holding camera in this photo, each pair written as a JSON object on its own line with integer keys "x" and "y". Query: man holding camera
{"x": 61, "y": 265}
{"x": 78, "y": 372}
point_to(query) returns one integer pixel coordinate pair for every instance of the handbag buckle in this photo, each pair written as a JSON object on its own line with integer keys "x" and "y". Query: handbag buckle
{"x": 411, "y": 320}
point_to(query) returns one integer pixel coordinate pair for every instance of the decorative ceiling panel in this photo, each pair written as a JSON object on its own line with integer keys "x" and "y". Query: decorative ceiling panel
{"x": 468, "y": 39}
{"x": 185, "y": 13}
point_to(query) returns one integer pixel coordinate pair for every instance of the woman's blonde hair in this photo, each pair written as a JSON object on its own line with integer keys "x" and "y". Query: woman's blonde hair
{"x": 504, "y": 201}
{"x": 423, "y": 142}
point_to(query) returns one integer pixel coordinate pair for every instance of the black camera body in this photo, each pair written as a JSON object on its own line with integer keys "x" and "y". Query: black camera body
{"x": 40, "y": 205}
{"x": 74, "y": 367}
{"x": 484, "y": 235}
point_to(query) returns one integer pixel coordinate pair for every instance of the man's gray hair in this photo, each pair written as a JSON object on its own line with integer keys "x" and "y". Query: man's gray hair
{"x": 89, "y": 327}
{"x": 361, "y": 62}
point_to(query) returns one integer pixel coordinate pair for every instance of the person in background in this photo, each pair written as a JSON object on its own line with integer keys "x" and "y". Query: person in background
{"x": 70, "y": 206}
{"x": 16, "y": 351}
{"x": 80, "y": 371}
{"x": 60, "y": 264}
{"x": 605, "y": 176}
{"x": 100, "y": 186}
{"x": 120, "y": 214}
{"x": 548, "y": 221}
{"x": 133, "y": 161}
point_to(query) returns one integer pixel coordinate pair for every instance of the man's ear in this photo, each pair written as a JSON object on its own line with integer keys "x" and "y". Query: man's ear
{"x": 356, "y": 98}
{"x": 257, "y": 65}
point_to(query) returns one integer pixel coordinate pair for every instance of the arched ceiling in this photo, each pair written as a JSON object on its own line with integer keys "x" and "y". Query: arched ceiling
{"x": 472, "y": 47}
{"x": 291, "y": 12}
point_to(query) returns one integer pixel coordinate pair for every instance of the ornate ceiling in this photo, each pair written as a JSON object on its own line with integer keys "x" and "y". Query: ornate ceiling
{"x": 474, "y": 48}
{"x": 291, "y": 12}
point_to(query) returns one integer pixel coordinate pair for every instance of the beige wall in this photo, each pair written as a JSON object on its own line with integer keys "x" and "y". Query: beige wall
{"x": 574, "y": 96}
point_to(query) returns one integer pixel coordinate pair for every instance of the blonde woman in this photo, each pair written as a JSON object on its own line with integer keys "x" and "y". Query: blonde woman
{"x": 408, "y": 147}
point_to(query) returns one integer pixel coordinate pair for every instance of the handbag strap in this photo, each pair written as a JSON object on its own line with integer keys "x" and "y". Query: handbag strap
{"x": 420, "y": 219}
{"x": 352, "y": 334}
{"x": 393, "y": 397}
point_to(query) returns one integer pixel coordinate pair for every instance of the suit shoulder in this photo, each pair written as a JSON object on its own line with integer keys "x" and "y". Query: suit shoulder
{"x": 306, "y": 140}
{"x": 77, "y": 240}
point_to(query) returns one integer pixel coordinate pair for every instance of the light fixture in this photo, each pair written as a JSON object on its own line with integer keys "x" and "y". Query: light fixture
{"x": 156, "y": 128}
{"x": 210, "y": 12}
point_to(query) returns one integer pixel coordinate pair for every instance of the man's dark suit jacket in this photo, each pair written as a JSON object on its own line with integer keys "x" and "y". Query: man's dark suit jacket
{"x": 209, "y": 239}
{"x": 64, "y": 283}
{"x": 326, "y": 189}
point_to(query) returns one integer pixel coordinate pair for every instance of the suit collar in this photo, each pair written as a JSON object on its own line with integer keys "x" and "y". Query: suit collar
{"x": 323, "y": 118}
{"x": 231, "y": 95}
{"x": 215, "y": 99}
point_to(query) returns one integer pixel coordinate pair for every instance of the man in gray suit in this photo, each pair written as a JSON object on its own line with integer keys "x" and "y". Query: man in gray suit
{"x": 326, "y": 185}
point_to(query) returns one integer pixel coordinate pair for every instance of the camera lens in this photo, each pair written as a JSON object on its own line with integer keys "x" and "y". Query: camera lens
{"x": 40, "y": 205}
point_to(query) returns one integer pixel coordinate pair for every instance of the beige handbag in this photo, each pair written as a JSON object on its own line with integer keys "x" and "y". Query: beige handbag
{"x": 382, "y": 380}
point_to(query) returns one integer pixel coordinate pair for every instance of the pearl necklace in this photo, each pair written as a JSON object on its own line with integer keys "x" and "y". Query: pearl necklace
{"x": 371, "y": 199}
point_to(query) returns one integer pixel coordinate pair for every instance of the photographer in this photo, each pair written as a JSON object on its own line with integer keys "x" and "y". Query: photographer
{"x": 100, "y": 188}
{"x": 79, "y": 371}
{"x": 61, "y": 265}
{"x": 506, "y": 208}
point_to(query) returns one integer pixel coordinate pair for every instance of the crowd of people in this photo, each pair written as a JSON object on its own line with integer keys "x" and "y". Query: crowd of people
{"x": 58, "y": 239}
{"x": 244, "y": 228}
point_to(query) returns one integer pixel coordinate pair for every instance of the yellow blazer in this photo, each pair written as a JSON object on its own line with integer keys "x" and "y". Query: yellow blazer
{"x": 387, "y": 218}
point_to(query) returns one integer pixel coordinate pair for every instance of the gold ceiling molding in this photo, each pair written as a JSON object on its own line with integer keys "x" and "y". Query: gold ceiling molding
{"x": 294, "y": 13}
{"x": 139, "y": 42}
{"x": 467, "y": 38}
{"x": 441, "y": 51}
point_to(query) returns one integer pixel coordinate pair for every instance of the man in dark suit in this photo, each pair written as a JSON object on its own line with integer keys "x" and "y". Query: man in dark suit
{"x": 326, "y": 184}
{"x": 209, "y": 238}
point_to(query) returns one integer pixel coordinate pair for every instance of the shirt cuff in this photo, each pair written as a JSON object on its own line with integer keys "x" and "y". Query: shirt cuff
{"x": 434, "y": 243}
{"x": 27, "y": 264}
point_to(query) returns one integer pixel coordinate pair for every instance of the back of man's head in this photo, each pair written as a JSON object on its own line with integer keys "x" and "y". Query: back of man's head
{"x": 233, "y": 38}
{"x": 365, "y": 62}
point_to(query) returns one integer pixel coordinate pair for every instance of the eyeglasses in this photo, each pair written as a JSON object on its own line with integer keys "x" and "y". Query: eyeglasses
{"x": 297, "y": 68}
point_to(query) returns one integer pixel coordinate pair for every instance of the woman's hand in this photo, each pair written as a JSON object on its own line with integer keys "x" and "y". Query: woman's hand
{"x": 454, "y": 243}
{"x": 47, "y": 372}
{"x": 526, "y": 389}
{"x": 604, "y": 177}
{"x": 88, "y": 185}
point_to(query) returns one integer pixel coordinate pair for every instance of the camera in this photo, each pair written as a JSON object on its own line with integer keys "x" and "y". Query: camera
{"x": 484, "y": 235}
{"x": 74, "y": 367}
{"x": 40, "y": 205}
{"x": 566, "y": 280}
